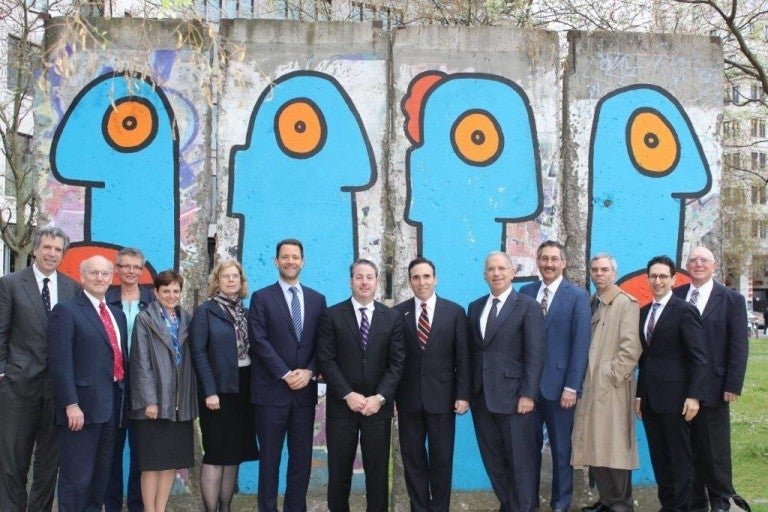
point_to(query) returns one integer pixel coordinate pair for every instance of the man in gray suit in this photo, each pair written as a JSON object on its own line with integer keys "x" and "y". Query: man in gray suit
{"x": 26, "y": 393}
{"x": 507, "y": 338}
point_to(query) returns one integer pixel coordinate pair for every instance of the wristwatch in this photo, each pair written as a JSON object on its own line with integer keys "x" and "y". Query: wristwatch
{"x": 382, "y": 400}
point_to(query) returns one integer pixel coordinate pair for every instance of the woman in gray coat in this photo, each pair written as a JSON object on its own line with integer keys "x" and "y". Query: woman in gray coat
{"x": 163, "y": 391}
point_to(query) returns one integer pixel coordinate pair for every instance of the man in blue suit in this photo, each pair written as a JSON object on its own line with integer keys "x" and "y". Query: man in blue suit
{"x": 282, "y": 322}
{"x": 724, "y": 315}
{"x": 507, "y": 340}
{"x": 87, "y": 357}
{"x": 567, "y": 322}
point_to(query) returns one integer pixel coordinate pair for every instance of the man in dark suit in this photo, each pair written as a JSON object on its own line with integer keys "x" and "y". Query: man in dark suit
{"x": 567, "y": 321}
{"x": 670, "y": 383}
{"x": 282, "y": 321}
{"x": 26, "y": 392}
{"x": 435, "y": 386}
{"x": 87, "y": 356}
{"x": 361, "y": 352}
{"x": 724, "y": 316}
{"x": 507, "y": 333}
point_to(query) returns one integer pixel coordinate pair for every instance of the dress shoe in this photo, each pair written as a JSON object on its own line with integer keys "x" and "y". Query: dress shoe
{"x": 595, "y": 507}
{"x": 559, "y": 510}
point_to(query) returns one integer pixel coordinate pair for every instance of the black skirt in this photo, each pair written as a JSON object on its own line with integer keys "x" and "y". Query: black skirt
{"x": 229, "y": 433}
{"x": 164, "y": 444}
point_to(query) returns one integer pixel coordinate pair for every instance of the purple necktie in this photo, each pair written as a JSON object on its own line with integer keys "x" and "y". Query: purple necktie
{"x": 365, "y": 327}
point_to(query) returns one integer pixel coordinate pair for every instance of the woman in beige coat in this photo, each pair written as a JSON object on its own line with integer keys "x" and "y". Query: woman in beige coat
{"x": 604, "y": 426}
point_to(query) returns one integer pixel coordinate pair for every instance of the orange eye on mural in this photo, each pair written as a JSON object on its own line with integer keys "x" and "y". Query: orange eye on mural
{"x": 300, "y": 128}
{"x": 130, "y": 124}
{"x": 652, "y": 142}
{"x": 477, "y": 138}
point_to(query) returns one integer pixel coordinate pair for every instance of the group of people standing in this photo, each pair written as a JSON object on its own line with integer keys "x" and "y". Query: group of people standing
{"x": 84, "y": 369}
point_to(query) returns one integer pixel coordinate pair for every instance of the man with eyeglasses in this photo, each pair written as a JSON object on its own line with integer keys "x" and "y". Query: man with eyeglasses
{"x": 26, "y": 393}
{"x": 567, "y": 324}
{"x": 670, "y": 383}
{"x": 507, "y": 343}
{"x": 87, "y": 356}
{"x": 723, "y": 313}
{"x": 604, "y": 437}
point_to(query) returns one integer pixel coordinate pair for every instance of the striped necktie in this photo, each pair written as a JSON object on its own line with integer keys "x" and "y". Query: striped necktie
{"x": 422, "y": 330}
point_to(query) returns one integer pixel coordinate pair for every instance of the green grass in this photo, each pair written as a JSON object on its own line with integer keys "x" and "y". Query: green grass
{"x": 749, "y": 430}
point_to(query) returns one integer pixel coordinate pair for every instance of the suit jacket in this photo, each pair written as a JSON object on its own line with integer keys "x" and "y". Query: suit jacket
{"x": 23, "y": 329}
{"x": 348, "y": 367}
{"x": 214, "y": 350}
{"x": 673, "y": 365}
{"x": 436, "y": 377}
{"x": 509, "y": 362}
{"x": 275, "y": 348}
{"x": 726, "y": 341}
{"x": 81, "y": 360}
{"x": 568, "y": 327}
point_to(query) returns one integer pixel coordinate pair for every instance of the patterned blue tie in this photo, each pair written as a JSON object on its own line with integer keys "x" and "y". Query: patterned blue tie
{"x": 365, "y": 328}
{"x": 296, "y": 311}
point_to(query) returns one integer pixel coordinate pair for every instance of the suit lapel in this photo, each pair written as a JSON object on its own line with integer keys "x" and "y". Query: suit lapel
{"x": 555, "y": 303}
{"x": 351, "y": 319}
{"x": 715, "y": 298}
{"x": 277, "y": 295}
{"x": 93, "y": 316}
{"x": 438, "y": 321}
{"x": 509, "y": 305}
{"x": 33, "y": 293}
{"x": 410, "y": 317}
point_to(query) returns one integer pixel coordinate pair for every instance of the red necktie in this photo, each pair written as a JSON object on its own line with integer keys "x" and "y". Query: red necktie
{"x": 422, "y": 329}
{"x": 112, "y": 335}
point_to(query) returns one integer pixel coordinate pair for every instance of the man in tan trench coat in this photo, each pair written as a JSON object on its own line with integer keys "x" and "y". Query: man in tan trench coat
{"x": 604, "y": 428}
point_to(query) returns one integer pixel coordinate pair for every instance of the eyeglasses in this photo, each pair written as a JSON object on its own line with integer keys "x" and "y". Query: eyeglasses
{"x": 662, "y": 277}
{"x": 491, "y": 270}
{"x": 550, "y": 259}
{"x": 135, "y": 268}
{"x": 230, "y": 276}
{"x": 96, "y": 273}
{"x": 699, "y": 259}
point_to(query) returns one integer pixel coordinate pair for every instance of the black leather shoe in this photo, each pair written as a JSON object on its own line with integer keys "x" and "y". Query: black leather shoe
{"x": 559, "y": 510}
{"x": 595, "y": 507}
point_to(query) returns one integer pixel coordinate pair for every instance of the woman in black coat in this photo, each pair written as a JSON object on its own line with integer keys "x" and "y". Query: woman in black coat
{"x": 219, "y": 340}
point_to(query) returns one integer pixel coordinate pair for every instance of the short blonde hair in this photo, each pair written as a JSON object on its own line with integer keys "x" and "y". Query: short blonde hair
{"x": 213, "y": 278}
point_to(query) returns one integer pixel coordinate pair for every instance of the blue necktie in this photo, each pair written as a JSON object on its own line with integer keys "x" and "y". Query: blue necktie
{"x": 296, "y": 311}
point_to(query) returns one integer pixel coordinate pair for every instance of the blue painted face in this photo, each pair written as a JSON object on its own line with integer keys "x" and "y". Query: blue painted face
{"x": 305, "y": 153}
{"x": 474, "y": 166}
{"x": 118, "y": 138}
{"x": 645, "y": 159}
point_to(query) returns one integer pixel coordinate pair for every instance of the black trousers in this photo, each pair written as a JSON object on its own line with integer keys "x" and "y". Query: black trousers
{"x": 669, "y": 441}
{"x": 374, "y": 435}
{"x": 426, "y": 444}
{"x": 26, "y": 423}
{"x": 711, "y": 444}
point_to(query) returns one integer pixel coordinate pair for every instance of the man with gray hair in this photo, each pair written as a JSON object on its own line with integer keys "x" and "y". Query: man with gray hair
{"x": 26, "y": 394}
{"x": 508, "y": 348}
{"x": 604, "y": 428}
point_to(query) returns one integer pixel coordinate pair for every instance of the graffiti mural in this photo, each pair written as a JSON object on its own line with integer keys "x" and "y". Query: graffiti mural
{"x": 306, "y": 153}
{"x": 316, "y": 138}
{"x": 473, "y": 167}
{"x": 645, "y": 161}
{"x": 118, "y": 139}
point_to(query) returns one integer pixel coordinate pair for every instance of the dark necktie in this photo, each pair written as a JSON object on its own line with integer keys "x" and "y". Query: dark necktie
{"x": 46, "y": 294}
{"x": 491, "y": 317}
{"x": 545, "y": 301}
{"x": 365, "y": 328}
{"x": 694, "y": 300}
{"x": 651, "y": 321}
{"x": 119, "y": 373}
{"x": 422, "y": 330}
{"x": 296, "y": 311}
